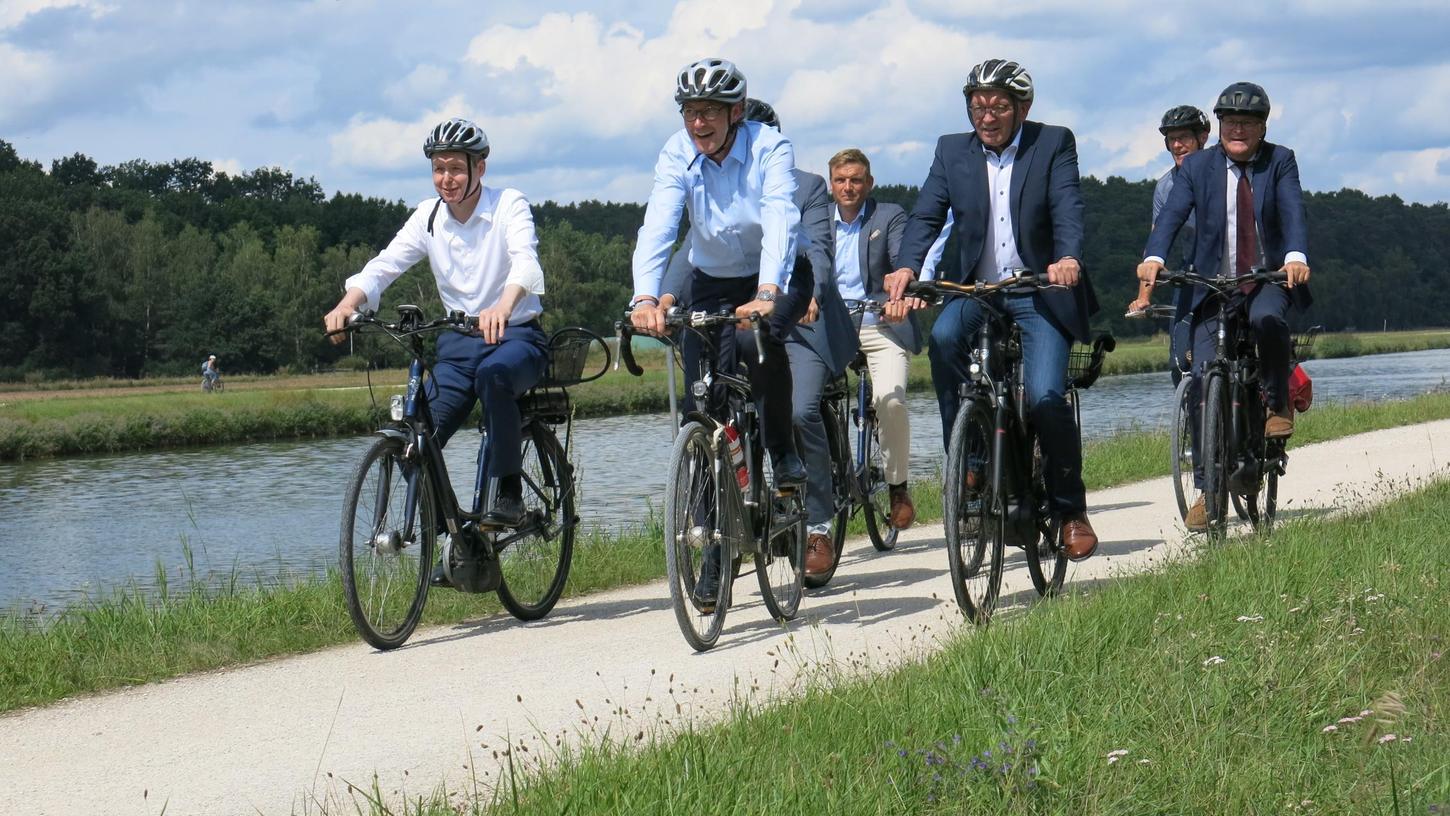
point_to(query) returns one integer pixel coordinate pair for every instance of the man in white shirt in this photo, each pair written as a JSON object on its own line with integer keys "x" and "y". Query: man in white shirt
{"x": 481, "y": 246}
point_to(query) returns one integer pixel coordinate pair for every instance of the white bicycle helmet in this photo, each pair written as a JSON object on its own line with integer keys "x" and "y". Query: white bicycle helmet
{"x": 712, "y": 80}
{"x": 1002, "y": 75}
{"x": 456, "y": 135}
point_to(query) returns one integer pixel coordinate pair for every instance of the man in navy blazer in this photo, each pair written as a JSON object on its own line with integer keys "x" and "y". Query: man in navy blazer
{"x": 819, "y": 340}
{"x": 1250, "y": 213}
{"x": 1012, "y": 187}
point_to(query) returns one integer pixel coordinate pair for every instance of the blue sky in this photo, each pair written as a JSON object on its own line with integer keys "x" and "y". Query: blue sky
{"x": 576, "y": 97}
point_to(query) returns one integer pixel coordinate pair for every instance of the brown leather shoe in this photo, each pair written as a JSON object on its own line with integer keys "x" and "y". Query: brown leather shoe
{"x": 1197, "y": 519}
{"x": 1078, "y": 539}
{"x": 820, "y": 554}
{"x": 903, "y": 512}
{"x": 1279, "y": 426}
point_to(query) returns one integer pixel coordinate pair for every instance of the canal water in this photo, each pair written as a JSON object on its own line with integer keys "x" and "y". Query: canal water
{"x": 79, "y": 528}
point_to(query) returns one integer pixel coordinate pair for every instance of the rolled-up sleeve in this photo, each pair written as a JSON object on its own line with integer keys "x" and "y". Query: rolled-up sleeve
{"x": 523, "y": 245}
{"x": 408, "y": 247}
{"x": 661, "y": 220}
{"x": 779, "y": 217}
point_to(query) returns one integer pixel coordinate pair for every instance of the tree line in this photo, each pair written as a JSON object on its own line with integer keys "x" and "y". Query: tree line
{"x": 143, "y": 269}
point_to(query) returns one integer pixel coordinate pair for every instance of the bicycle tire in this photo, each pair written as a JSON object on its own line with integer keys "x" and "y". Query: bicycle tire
{"x": 780, "y": 563}
{"x": 973, "y": 521}
{"x": 1181, "y": 447}
{"x": 840, "y": 452}
{"x": 384, "y": 586}
{"x": 535, "y": 569}
{"x": 876, "y": 492}
{"x": 1271, "y": 500}
{"x": 692, "y": 495}
{"x": 1046, "y": 559}
{"x": 1215, "y": 452}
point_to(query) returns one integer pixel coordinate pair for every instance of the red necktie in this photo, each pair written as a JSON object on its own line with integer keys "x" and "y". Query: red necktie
{"x": 1246, "y": 249}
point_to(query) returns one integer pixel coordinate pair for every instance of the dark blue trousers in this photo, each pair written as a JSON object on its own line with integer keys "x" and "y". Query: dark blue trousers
{"x": 469, "y": 369}
{"x": 1045, "y": 348}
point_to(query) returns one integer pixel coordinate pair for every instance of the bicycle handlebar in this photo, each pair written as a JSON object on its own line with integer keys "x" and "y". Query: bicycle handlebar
{"x": 677, "y": 318}
{"x": 859, "y": 307}
{"x": 1022, "y": 282}
{"x": 1221, "y": 284}
{"x": 410, "y": 321}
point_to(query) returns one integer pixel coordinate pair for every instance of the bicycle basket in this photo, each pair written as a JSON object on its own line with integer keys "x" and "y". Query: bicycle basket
{"x": 568, "y": 353}
{"x": 1304, "y": 344}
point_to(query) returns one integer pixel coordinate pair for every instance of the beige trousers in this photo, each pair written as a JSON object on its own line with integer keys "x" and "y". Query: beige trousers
{"x": 889, "y": 364}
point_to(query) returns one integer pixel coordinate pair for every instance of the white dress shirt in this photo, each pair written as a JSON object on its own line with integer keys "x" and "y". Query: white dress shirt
{"x": 743, "y": 217}
{"x": 999, "y": 252}
{"x": 471, "y": 261}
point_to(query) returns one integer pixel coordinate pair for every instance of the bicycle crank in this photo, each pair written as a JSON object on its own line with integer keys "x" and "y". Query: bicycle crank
{"x": 467, "y": 570}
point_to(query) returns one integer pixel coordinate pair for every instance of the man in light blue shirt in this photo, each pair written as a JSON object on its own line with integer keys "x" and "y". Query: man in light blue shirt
{"x": 735, "y": 179}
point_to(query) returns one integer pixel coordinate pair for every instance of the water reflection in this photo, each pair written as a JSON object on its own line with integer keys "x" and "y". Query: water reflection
{"x": 79, "y": 527}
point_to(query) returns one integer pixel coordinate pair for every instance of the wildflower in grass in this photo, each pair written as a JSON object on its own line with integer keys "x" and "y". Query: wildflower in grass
{"x": 1347, "y": 720}
{"x": 1249, "y": 618}
{"x": 1329, "y": 729}
{"x": 1145, "y": 762}
{"x": 1115, "y": 755}
{"x": 1384, "y": 738}
{"x": 1213, "y": 661}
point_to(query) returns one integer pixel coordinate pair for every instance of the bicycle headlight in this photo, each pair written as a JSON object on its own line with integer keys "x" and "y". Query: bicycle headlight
{"x": 395, "y": 409}
{"x": 699, "y": 389}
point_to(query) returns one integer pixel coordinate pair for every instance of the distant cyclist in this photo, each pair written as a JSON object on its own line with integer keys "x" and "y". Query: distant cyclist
{"x": 1250, "y": 213}
{"x": 210, "y": 373}
{"x": 480, "y": 244}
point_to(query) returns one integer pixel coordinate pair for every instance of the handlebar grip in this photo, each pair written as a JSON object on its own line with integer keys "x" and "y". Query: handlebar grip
{"x": 759, "y": 344}
{"x": 626, "y": 349}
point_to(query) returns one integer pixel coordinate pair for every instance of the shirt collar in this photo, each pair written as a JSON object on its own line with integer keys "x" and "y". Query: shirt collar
{"x": 860, "y": 217}
{"x": 1016, "y": 143}
{"x": 483, "y": 211}
{"x": 739, "y": 151}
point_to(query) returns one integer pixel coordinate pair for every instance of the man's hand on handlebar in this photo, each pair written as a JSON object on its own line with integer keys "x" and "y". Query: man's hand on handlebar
{"x": 1296, "y": 273}
{"x": 1065, "y": 272}
{"x": 492, "y": 322}
{"x": 763, "y": 308}
{"x": 895, "y": 283}
{"x": 896, "y": 311}
{"x": 649, "y": 316}
{"x": 1148, "y": 272}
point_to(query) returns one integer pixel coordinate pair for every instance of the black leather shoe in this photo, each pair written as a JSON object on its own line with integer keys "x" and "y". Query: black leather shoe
{"x": 507, "y": 511}
{"x": 439, "y": 577}
{"x": 790, "y": 471}
{"x": 707, "y": 588}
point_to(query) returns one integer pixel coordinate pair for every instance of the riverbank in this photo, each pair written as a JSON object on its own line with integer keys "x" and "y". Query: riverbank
{"x": 1261, "y": 676}
{"x": 73, "y": 419}
{"x": 132, "y": 638}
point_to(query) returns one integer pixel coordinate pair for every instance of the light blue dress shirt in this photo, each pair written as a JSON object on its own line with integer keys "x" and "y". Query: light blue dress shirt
{"x": 1000, "y": 253}
{"x": 743, "y": 217}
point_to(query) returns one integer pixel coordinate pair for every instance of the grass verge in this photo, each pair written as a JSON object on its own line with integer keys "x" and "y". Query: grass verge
{"x": 1270, "y": 675}
{"x": 131, "y": 638}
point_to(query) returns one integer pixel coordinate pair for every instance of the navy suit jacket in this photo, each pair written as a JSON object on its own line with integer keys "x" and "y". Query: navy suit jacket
{"x": 1047, "y": 213}
{"x": 877, "y": 249}
{"x": 1202, "y": 188}
{"x": 832, "y": 336}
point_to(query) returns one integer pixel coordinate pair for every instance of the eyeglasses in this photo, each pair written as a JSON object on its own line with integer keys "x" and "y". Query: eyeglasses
{"x": 1239, "y": 124}
{"x": 1188, "y": 137}
{"x": 708, "y": 113}
{"x": 980, "y": 111}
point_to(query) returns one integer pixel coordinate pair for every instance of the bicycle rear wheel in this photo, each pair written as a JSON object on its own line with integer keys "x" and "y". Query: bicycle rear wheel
{"x": 840, "y": 451}
{"x": 781, "y": 566}
{"x": 1216, "y": 460}
{"x": 877, "y": 492}
{"x": 1046, "y": 560}
{"x": 386, "y": 546}
{"x": 693, "y": 552}
{"x": 535, "y": 567}
{"x": 973, "y": 520}
{"x": 1181, "y": 446}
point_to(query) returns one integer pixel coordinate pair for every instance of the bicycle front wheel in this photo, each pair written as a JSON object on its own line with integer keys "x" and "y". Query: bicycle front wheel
{"x": 840, "y": 451}
{"x": 535, "y": 566}
{"x": 386, "y": 547}
{"x": 1181, "y": 444}
{"x": 972, "y": 518}
{"x": 693, "y": 551}
{"x": 780, "y": 566}
{"x": 876, "y": 492}
{"x": 1215, "y": 454}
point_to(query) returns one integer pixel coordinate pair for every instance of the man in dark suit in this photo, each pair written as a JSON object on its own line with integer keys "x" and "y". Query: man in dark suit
{"x": 819, "y": 340}
{"x": 868, "y": 240}
{"x": 1012, "y": 187}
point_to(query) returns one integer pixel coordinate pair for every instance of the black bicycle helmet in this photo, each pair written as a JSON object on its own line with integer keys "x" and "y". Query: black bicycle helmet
{"x": 1245, "y": 98}
{"x": 456, "y": 135}
{"x": 710, "y": 80}
{"x": 1000, "y": 74}
{"x": 1184, "y": 116}
{"x": 762, "y": 112}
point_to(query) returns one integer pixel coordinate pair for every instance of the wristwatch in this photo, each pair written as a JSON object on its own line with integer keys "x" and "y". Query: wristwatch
{"x": 765, "y": 295}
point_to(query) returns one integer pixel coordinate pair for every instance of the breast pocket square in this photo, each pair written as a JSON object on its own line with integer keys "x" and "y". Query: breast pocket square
{"x": 874, "y": 235}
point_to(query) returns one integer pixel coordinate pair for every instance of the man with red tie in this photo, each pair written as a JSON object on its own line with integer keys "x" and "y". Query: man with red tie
{"x": 1249, "y": 213}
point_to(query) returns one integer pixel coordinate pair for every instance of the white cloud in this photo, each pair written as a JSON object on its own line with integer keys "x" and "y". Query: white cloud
{"x": 29, "y": 78}
{"x": 390, "y": 144}
{"x": 14, "y": 12}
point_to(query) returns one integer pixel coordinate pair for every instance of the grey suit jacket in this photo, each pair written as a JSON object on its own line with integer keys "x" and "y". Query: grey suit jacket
{"x": 877, "y": 249}
{"x": 832, "y": 336}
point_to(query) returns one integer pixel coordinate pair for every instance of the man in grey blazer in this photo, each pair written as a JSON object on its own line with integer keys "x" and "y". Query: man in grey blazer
{"x": 819, "y": 339}
{"x": 867, "y": 239}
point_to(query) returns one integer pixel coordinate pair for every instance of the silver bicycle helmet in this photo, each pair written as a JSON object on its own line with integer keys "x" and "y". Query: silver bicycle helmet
{"x": 456, "y": 135}
{"x": 1245, "y": 98}
{"x": 1184, "y": 116}
{"x": 712, "y": 80}
{"x": 762, "y": 112}
{"x": 1002, "y": 75}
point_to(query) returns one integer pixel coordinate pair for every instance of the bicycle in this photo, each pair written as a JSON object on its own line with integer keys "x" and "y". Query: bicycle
{"x": 400, "y": 499}
{"x": 859, "y": 482}
{"x": 212, "y": 385}
{"x": 717, "y": 505}
{"x": 1181, "y": 432}
{"x": 995, "y": 492}
{"x": 1241, "y": 464}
